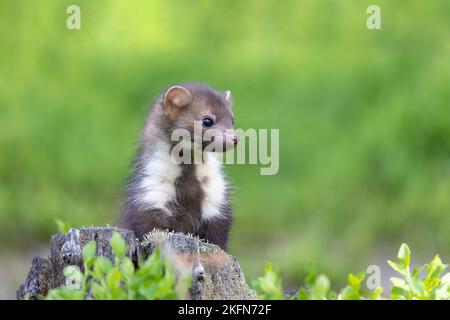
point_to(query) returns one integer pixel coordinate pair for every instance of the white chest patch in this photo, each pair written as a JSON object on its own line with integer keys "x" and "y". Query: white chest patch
{"x": 209, "y": 174}
{"x": 158, "y": 184}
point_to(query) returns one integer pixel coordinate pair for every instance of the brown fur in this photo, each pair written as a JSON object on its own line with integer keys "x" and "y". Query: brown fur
{"x": 179, "y": 110}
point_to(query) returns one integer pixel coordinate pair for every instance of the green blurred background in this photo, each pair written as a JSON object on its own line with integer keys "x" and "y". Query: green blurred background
{"x": 363, "y": 115}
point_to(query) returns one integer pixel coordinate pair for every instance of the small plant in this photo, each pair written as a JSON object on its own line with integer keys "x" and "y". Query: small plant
{"x": 411, "y": 286}
{"x": 62, "y": 226}
{"x": 353, "y": 290}
{"x": 268, "y": 286}
{"x": 104, "y": 279}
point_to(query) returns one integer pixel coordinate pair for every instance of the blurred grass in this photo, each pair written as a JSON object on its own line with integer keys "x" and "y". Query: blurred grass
{"x": 363, "y": 115}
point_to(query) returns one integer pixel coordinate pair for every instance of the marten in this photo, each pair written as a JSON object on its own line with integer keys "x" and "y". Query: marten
{"x": 191, "y": 197}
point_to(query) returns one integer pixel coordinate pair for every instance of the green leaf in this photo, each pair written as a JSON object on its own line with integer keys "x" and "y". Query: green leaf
{"x": 376, "y": 294}
{"x": 321, "y": 287}
{"x": 404, "y": 255}
{"x": 118, "y": 245}
{"x": 332, "y": 295}
{"x": 398, "y": 293}
{"x": 114, "y": 278}
{"x": 89, "y": 252}
{"x": 303, "y": 295}
{"x": 400, "y": 283}
{"x": 102, "y": 266}
{"x": 348, "y": 293}
{"x": 72, "y": 271}
{"x": 74, "y": 277}
{"x": 127, "y": 268}
{"x": 311, "y": 274}
{"x": 417, "y": 271}
{"x": 446, "y": 278}
{"x": 355, "y": 280}
{"x": 397, "y": 267}
{"x": 62, "y": 226}
{"x": 268, "y": 286}
{"x": 435, "y": 268}
{"x": 441, "y": 294}
{"x": 65, "y": 293}
{"x": 99, "y": 292}
{"x": 417, "y": 287}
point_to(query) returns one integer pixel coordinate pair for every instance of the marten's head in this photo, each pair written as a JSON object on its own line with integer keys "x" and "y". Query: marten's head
{"x": 203, "y": 113}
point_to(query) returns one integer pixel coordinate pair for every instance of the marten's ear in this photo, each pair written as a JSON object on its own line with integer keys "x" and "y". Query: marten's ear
{"x": 177, "y": 96}
{"x": 227, "y": 95}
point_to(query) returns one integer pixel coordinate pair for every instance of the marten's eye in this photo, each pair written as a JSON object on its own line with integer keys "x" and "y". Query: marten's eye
{"x": 208, "y": 122}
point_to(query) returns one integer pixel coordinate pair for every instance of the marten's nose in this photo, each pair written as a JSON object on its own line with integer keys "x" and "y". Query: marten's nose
{"x": 235, "y": 139}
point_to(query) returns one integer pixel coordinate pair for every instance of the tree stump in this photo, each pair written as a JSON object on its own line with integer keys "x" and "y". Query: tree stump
{"x": 214, "y": 273}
